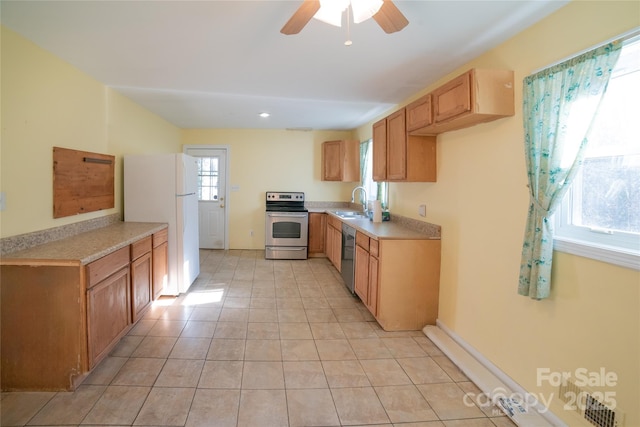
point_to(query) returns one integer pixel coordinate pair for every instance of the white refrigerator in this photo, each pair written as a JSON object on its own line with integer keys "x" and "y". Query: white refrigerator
{"x": 163, "y": 188}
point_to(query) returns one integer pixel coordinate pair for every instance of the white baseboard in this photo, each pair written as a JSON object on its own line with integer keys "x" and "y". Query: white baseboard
{"x": 493, "y": 382}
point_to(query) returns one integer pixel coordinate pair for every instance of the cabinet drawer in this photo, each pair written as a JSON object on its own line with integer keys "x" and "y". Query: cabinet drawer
{"x": 160, "y": 237}
{"x": 373, "y": 248}
{"x": 362, "y": 240}
{"x": 140, "y": 247}
{"x": 99, "y": 270}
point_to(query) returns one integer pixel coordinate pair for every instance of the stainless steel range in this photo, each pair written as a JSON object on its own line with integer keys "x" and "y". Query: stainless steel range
{"x": 286, "y": 226}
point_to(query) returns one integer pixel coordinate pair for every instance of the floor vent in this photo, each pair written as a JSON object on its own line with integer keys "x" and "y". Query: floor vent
{"x": 588, "y": 406}
{"x": 600, "y": 415}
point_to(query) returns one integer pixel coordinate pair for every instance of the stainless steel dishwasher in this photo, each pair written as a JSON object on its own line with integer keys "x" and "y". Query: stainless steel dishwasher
{"x": 348, "y": 252}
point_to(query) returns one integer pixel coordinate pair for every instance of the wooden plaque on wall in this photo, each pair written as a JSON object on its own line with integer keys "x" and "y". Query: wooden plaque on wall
{"x": 82, "y": 182}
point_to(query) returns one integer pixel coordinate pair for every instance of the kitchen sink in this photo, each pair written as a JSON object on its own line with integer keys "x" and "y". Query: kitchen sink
{"x": 351, "y": 214}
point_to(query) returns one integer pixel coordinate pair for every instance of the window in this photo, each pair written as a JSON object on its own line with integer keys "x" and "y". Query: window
{"x": 600, "y": 215}
{"x": 375, "y": 190}
{"x": 208, "y": 178}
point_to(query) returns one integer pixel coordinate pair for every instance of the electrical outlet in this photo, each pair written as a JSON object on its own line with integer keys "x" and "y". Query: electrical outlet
{"x": 422, "y": 210}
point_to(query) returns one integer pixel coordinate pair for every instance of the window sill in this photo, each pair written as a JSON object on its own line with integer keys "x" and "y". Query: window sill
{"x": 628, "y": 259}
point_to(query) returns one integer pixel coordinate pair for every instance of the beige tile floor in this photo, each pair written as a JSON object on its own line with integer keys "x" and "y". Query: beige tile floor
{"x": 259, "y": 342}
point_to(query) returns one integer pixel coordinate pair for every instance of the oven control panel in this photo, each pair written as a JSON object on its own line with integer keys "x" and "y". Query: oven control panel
{"x": 277, "y": 196}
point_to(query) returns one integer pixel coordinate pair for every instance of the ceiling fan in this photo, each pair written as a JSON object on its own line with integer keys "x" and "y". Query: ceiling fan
{"x": 388, "y": 17}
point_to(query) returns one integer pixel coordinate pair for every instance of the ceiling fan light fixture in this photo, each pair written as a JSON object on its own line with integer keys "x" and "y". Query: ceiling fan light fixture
{"x": 364, "y": 9}
{"x": 330, "y": 11}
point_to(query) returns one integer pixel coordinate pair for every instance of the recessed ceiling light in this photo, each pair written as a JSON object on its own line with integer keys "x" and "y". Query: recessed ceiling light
{"x": 264, "y": 114}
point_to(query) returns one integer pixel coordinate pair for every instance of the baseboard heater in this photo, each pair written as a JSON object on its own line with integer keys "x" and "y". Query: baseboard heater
{"x": 494, "y": 383}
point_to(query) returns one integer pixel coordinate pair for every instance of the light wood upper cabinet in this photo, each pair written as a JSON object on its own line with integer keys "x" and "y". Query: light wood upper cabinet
{"x": 380, "y": 150}
{"x": 477, "y": 96}
{"x": 419, "y": 113}
{"x": 396, "y": 146}
{"x": 341, "y": 161}
{"x": 398, "y": 156}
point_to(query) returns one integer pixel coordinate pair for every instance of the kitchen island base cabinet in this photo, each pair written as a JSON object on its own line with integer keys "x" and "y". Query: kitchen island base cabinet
{"x": 408, "y": 277}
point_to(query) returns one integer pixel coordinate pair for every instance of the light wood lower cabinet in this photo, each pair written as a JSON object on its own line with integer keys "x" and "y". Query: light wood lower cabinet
{"x": 361, "y": 267}
{"x": 317, "y": 233}
{"x": 398, "y": 281}
{"x": 408, "y": 284}
{"x": 108, "y": 303}
{"x": 160, "y": 261}
{"x": 366, "y": 271}
{"x": 333, "y": 242}
{"x": 60, "y": 318}
{"x": 108, "y": 314}
{"x": 141, "y": 277}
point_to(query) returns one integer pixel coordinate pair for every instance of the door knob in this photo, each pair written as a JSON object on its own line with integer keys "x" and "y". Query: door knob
{"x": 221, "y": 206}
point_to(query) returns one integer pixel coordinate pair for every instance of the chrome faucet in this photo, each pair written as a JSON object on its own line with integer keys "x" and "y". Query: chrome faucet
{"x": 364, "y": 192}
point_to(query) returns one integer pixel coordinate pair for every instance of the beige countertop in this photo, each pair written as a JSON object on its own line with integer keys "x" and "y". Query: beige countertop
{"x": 390, "y": 230}
{"x": 85, "y": 247}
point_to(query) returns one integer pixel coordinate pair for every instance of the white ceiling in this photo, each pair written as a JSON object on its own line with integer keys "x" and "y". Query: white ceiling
{"x": 217, "y": 64}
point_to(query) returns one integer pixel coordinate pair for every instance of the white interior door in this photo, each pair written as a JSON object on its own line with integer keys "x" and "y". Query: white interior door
{"x": 211, "y": 195}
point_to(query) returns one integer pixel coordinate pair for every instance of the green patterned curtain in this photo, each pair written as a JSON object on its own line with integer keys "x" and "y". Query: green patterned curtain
{"x": 559, "y": 104}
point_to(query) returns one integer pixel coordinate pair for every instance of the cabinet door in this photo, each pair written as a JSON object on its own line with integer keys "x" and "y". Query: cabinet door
{"x": 336, "y": 241}
{"x": 328, "y": 242}
{"x": 361, "y": 268}
{"x": 419, "y": 113}
{"x": 372, "y": 302}
{"x": 396, "y": 146}
{"x": 331, "y": 161}
{"x": 452, "y": 99}
{"x": 380, "y": 150}
{"x": 317, "y": 230}
{"x": 108, "y": 314}
{"x": 140, "y": 285}
{"x": 160, "y": 261}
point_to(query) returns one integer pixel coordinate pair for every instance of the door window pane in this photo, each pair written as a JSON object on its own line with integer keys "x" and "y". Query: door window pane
{"x": 208, "y": 178}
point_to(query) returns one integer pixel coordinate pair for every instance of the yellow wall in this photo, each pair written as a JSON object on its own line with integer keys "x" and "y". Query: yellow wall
{"x": 592, "y": 318}
{"x": 46, "y": 103}
{"x": 269, "y": 160}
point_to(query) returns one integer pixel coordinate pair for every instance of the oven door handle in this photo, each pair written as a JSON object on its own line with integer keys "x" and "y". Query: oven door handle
{"x": 281, "y": 215}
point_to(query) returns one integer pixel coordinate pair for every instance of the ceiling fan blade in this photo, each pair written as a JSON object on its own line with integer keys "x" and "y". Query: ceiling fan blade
{"x": 301, "y": 17}
{"x": 390, "y": 18}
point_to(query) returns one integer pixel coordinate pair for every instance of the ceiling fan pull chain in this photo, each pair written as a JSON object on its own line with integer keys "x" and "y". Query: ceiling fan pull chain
{"x": 348, "y": 42}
